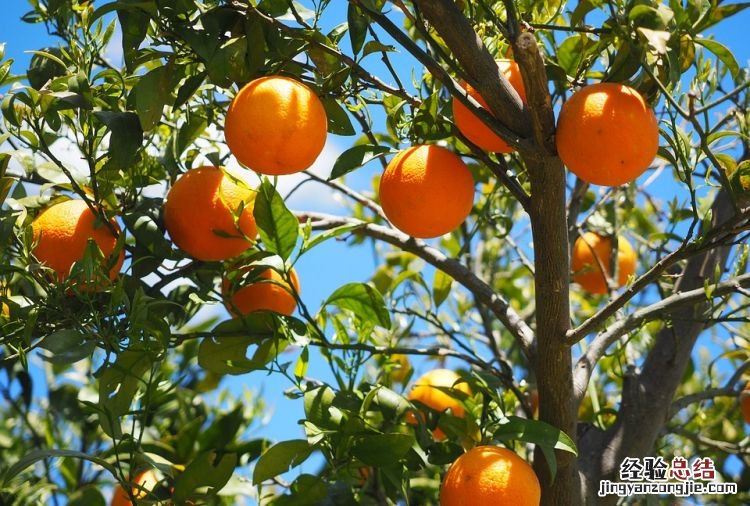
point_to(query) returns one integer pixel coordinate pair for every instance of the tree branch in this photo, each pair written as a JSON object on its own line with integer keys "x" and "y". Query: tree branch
{"x": 655, "y": 311}
{"x": 478, "y": 64}
{"x": 484, "y": 293}
{"x": 728, "y": 390}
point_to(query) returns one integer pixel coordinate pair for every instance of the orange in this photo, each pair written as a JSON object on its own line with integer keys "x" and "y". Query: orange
{"x": 607, "y": 134}
{"x": 143, "y": 484}
{"x": 276, "y": 125}
{"x": 425, "y": 392}
{"x": 201, "y": 214}
{"x": 589, "y": 251}
{"x": 745, "y": 402}
{"x": 471, "y": 126}
{"x": 61, "y": 234}
{"x": 490, "y": 476}
{"x": 266, "y": 292}
{"x": 426, "y": 191}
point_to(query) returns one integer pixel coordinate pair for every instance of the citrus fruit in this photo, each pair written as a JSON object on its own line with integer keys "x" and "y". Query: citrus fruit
{"x": 143, "y": 483}
{"x": 400, "y": 367}
{"x": 425, "y": 392}
{"x": 61, "y": 234}
{"x": 201, "y": 214}
{"x": 471, "y": 126}
{"x": 589, "y": 251}
{"x": 607, "y": 134}
{"x": 266, "y": 291}
{"x": 490, "y": 476}
{"x": 745, "y": 403}
{"x": 426, "y": 191}
{"x": 276, "y": 125}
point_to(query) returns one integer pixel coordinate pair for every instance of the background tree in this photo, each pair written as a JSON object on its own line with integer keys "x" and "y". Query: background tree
{"x": 133, "y": 382}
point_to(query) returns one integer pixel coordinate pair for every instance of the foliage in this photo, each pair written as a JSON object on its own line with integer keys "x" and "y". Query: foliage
{"x": 131, "y": 379}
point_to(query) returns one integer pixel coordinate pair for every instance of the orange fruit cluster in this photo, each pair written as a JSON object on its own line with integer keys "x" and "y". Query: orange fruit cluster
{"x": 425, "y": 391}
{"x": 591, "y": 252}
{"x": 490, "y": 476}
{"x": 61, "y": 234}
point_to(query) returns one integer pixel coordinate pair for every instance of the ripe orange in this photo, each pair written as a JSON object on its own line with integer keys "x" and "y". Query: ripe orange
{"x": 490, "y": 476}
{"x": 591, "y": 249}
{"x": 745, "y": 403}
{"x": 143, "y": 483}
{"x": 471, "y": 126}
{"x": 425, "y": 392}
{"x": 268, "y": 292}
{"x": 61, "y": 234}
{"x": 276, "y": 125}
{"x": 201, "y": 214}
{"x": 426, "y": 191}
{"x": 607, "y": 134}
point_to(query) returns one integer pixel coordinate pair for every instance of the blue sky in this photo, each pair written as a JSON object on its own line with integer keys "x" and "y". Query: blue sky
{"x": 332, "y": 264}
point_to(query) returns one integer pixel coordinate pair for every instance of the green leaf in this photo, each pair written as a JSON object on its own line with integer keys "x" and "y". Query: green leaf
{"x": 339, "y": 122}
{"x": 227, "y": 353}
{"x": 390, "y": 402}
{"x": 277, "y": 226}
{"x": 35, "y": 456}
{"x": 364, "y": 301}
{"x": 229, "y": 63}
{"x": 657, "y": 39}
{"x": 67, "y": 346}
{"x": 44, "y": 66}
{"x": 151, "y": 95}
{"x": 300, "y": 369}
{"x": 209, "y": 469}
{"x": 441, "y": 287}
{"x": 87, "y": 496}
{"x": 722, "y": 53}
{"x": 374, "y": 46}
{"x": 717, "y": 13}
{"x": 571, "y": 51}
{"x": 354, "y": 158}
{"x": 318, "y": 404}
{"x": 134, "y": 26}
{"x": 328, "y": 234}
{"x": 223, "y": 431}
{"x": 126, "y": 136}
{"x": 188, "y": 89}
{"x": 118, "y": 384}
{"x": 358, "y": 24}
{"x": 547, "y": 437}
{"x": 382, "y": 449}
{"x": 280, "y": 458}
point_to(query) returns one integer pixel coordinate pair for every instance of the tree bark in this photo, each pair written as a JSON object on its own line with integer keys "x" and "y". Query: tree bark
{"x": 647, "y": 396}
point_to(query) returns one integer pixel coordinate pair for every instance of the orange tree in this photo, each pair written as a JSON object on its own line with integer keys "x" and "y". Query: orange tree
{"x": 133, "y": 382}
